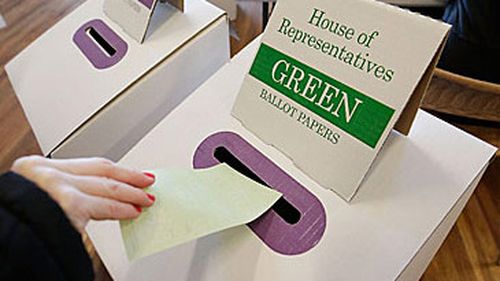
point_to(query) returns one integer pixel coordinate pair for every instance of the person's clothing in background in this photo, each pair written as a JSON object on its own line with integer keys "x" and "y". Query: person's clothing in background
{"x": 37, "y": 241}
{"x": 473, "y": 47}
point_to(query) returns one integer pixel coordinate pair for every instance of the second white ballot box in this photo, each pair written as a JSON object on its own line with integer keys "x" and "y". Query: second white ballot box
{"x": 88, "y": 88}
{"x": 390, "y": 231}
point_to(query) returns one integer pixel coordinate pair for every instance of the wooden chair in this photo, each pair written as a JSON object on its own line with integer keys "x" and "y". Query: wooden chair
{"x": 471, "y": 102}
{"x": 463, "y": 96}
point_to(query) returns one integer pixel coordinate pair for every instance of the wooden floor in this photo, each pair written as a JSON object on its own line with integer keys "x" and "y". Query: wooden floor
{"x": 471, "y": 251}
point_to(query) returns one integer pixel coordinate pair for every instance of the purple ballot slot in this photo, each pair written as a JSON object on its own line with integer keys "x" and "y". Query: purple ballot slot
{"x": 100, "y": 44}
{"x": 296, "y": 223}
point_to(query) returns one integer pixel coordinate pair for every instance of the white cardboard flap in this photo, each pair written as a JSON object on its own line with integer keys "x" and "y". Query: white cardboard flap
{"x": 134, "y": 16}
{"x": 330, "y": 80}
{"x": 60, "y": 88}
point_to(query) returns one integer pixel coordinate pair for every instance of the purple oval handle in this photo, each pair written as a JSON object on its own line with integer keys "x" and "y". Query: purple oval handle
{"x": 93, "y": 52}
{"x": 274, "y": 231}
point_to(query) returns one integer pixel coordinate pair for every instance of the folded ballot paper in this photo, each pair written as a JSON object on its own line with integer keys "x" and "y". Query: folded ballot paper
{"x": 194, "y": 203}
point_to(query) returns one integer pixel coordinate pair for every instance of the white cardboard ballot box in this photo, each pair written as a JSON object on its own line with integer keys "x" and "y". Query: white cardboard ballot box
{"x": 89, "y": 89}
{"x": 409, "y": 201}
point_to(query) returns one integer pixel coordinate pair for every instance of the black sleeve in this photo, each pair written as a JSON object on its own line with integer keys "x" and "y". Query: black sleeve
{"x": 473, "y": 46}
{"x": 37, "y": 241}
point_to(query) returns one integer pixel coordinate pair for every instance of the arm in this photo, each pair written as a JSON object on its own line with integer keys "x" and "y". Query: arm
{"x": 45, "y": 203}
{"x": 37, "y": 241}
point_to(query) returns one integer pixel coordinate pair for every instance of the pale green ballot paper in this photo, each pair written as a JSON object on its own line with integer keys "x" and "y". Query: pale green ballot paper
{"x": 194, "y": 203}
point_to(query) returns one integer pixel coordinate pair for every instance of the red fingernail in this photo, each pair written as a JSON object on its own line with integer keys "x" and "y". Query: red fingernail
{"x": 151, "y": 196}
{"x": 149, "y": 175}
{"x": 138, "y": 209}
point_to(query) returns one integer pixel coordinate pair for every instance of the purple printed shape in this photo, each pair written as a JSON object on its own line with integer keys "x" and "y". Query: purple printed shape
{"x": 284, "y": 238}
{"x": 95, "y": 54}
{"x": 147, "y": 3}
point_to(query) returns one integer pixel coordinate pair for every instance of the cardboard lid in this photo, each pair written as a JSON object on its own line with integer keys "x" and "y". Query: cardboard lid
{"x": 59, "y": 87}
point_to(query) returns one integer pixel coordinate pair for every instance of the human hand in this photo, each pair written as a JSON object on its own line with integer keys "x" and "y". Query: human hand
{"x": 89, "y": 188}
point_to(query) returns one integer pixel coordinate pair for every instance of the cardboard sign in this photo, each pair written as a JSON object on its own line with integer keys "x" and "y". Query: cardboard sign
{"x": 331, "y": 79}
{"x": 134, "y": 16}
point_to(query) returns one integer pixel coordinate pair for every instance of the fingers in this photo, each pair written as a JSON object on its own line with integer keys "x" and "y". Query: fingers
{"x": 112, "y": 189}
{"x": 81, "y": 207}
{"x": 104, "y": 168}
{"x": 25, "y": 165}
{"x": 89, "y": 188}
{"x": 106, "y": 209}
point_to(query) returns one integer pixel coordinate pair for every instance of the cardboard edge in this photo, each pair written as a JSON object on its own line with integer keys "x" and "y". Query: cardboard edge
{"x": 463, "y": 198}
{"x": 178, "y": 4}
{"x": 23, "y": 110}
{"x": 407, "y": 116}
{"x": 346, "y": 197}
{"x": 153, "y": 9}
{"x": 223, "y": 16}
{"x": 368, "y": 171}
{"x": 110, "y": 14}
{"x": 9, "y": 64}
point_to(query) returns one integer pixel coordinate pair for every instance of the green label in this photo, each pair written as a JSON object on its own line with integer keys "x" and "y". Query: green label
{"x": 350, "y": 110}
